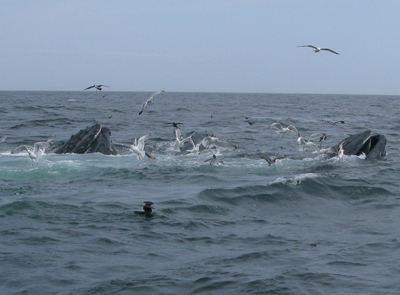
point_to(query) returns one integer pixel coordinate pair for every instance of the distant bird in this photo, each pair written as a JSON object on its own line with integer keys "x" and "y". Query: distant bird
{"x": 149, "y": 100}
{"x": 213, "y": 161}
{"x": 3, "y": 138}
{"x": 138, "y": 146}
{"x": 174, "y": 124}
{"x": 334, "y": 123}
{"x": 318, "y": 49}
{"x": 98, "y": 87}
{"x": 282, "y": 130}
{"x": 271, "y": 161}
{"x": 247, "y": 120}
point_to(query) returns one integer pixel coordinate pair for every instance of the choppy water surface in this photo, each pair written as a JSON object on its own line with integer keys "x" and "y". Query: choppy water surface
{"x": 302, "y": 226}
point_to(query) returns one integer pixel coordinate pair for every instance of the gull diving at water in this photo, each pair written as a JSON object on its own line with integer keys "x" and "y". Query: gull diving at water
{"x": 320, "y": 136}
{"x": 35, "y": 152}
{"x": 151, "y": 154}
{"x": 98, "y": 87}
{"x": 138, "y": 146}
{"x": 271, "y": 161}
{"x": 179, "y": 140}
{"x": 305, "y": 144}
{"x": 282, "y": 130}
{"x": 149, "y": 100}
{"x": 318, "y": 49}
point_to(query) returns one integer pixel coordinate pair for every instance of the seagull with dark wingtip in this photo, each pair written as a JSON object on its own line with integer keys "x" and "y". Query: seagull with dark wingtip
{"x": 98, "y": 87}
{"x": 318, "y": 49}
{"x": 149, "y": 101}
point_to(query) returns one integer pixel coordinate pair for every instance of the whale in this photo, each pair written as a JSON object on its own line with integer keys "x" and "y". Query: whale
{"x": 372, "y": 146}
{"x": 93, "y": 139}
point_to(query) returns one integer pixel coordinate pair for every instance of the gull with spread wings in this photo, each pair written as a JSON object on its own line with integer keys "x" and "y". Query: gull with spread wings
{"x": 318, "y": 49}
{"x": 98, "y": 87}
{"x": 149, "y": 100}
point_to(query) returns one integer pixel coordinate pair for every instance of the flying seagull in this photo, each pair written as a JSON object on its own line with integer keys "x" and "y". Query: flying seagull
{"x": 282, "y": 130}
{"x": 318, "y": 49}
{"x": 138, "y": 146}
{"x": 35, "y": 152}
{"x": 98, "y": 87}
{"x": 149, "y": 100}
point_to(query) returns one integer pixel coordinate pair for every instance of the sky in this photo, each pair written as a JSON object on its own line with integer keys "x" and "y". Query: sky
{"x": 248, "y": 46}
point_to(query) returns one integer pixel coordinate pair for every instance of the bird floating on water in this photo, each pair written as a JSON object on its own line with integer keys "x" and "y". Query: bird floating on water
{"x": 149, "y": 101}
{"x": 213, "y": 161}
{"x": 147, "y": 209}
{"x": 318, "y": 49}
{"x": 98, "y": 87}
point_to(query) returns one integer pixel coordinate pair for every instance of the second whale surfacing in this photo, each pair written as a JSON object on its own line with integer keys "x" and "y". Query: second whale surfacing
{"x": 372, "y": 146}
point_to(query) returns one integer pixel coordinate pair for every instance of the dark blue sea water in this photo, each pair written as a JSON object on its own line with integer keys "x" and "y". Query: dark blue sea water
{"x": 302, "y": 226}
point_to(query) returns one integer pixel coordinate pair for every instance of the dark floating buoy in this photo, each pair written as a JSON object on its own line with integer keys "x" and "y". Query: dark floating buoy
{"x": 147, "y": 209}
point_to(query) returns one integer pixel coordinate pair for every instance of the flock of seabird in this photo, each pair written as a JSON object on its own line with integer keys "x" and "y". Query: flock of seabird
{"x": 309, "y": 143}
{"x": 38, "y": 149}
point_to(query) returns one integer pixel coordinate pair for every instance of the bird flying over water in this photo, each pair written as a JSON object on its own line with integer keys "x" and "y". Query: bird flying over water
{"x": 304, "y": 144}
{"x": 282, "y": 130}
{"x": 35, "y": 152}
{"x": 318, "y": 49}
{"x": 98, "y": 87}
{"x": 138, "y": 146}
{"x": 320, "y": 136}
{"x": 334, "y": 123}
{"x": 149, "y": 100}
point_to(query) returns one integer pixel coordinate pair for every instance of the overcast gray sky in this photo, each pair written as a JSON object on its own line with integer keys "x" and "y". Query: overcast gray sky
{"x": 201, "y": 46}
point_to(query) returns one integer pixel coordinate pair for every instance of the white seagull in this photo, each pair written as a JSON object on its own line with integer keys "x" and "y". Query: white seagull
{"x": 304, "y": 144}
{"x": 320, "y": 136}
{"x": 35, "y": 152}
{"x": 318, "y": 49}
{"x": 281, "y": 130}
{"x": 98, "y": 87}
{"x": 149, "y": 100}
{"x": 179, "y": 140}
{"x": 138, "y": 146}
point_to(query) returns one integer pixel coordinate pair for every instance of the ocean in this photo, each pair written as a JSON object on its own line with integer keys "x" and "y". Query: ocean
{"x": 305, "y": 225}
